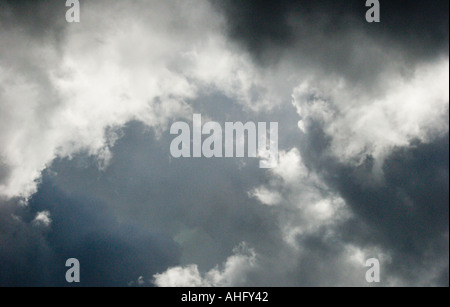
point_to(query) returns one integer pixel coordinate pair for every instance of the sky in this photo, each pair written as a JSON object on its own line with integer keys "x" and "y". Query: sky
{"x": 86, "y": 170}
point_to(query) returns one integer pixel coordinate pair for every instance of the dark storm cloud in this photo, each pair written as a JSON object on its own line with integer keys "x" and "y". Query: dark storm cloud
{"x": 412, "y": 205}
{"x": 407, "y": 218}
{"x": 260, "y": 24}
{"x": 410, "y": 213}
{"x": 38, "y": 18}
{"x": 333, "y": 36}
{"x": 111, "y": 252}
{"x": 407, "y": 215}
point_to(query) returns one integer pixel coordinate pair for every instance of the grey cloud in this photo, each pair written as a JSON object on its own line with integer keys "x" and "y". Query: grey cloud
{"x": 406, "y": 214}
{"x": 203, "y": 205}
{"x": 404, "y": 222}
{"x": 335, "y": 37}
{"x": 147, "y": 212}
{"x": 266, "y": 24}
{"x": 4, "y": 172}
{"x": 38, "y": 18}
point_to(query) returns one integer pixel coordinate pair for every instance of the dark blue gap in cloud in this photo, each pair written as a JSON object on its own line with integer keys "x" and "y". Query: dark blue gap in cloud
{"x": 111, "y": 252}
{"x": 202, "y": 203}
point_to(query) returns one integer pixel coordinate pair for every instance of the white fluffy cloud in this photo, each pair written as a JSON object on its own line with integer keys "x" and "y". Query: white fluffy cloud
{"x": 311, "y": 203}
{"x": 362, "y": 121}
{"x": 121, "y": 63}
{"x": 42, "y": 219}
{"x": 60, "y": 98}
{"x": 310, "y": 207}
{"x": 232, "y": 273}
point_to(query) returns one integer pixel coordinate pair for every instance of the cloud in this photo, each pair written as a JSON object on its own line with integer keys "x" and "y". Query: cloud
{"x": 21, "y": 244}
{"x": 140, "y": 282}
{"x": 265, "y": 196}
{"x": 181, "y": 277}
{"x": 363, "y": 118}
{"x": 111, "y": 250}
{"x": 360, "y": 124}
{"x": 318, "y": 29}
{"x": 233, "y": 272}
{"x": 42, "y": 219}
{"x": 333, "y": 217}
{"x": 48, "y": 85}
{"x": 404, "y": 215}
{"x": 311, "y": 205}
{"x": 61, "y": 97}
{"x": 39, "y": 19}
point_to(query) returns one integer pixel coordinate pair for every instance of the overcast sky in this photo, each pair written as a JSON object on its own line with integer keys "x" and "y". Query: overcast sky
{"x": 85, "y": 164}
